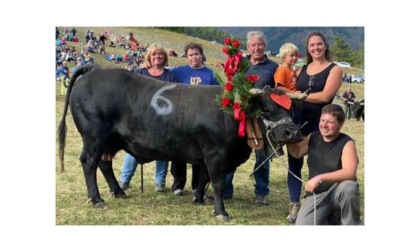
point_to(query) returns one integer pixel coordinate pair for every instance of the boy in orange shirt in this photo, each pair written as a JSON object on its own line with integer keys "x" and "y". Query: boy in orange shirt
{"x": 285, "y": 76}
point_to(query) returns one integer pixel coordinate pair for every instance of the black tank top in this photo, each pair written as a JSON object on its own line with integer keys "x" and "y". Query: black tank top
{"x": 324, "y": 157}
{"x": 312, "y": 111}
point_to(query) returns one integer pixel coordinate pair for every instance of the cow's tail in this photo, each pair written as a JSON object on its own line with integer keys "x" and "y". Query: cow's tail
{"x": 62, "y": 128}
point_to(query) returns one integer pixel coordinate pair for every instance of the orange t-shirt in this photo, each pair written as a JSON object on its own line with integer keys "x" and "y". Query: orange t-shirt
{"x": 285, "y": 77}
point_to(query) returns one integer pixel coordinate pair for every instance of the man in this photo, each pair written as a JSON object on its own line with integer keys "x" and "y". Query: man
{"x": 348, "y": 100}
{"x": 195, "y": 73}
{"x": 265, "y": 69}
{"x": 65, "y": 74}
{"x": 332, "y": 164}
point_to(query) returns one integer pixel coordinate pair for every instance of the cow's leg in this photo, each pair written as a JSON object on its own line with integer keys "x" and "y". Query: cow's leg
{"x": 108, "y": 172}
{"x": 90, "y": 162}
{"x": 203, "y": 179}
{"x": 217, "y": 178}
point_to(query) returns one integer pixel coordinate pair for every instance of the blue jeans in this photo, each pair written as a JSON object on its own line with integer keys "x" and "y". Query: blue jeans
{"x": 261, "y": 176}
{"x": 160, "y": 172}
{"x": 295, "y": 165}
{"x": 128, "y": 169}
{"x": 229, "y": 184}
{"x": 130, "y": 165}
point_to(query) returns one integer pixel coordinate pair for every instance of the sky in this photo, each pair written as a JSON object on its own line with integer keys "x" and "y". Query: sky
{"x": 27, "y": 99}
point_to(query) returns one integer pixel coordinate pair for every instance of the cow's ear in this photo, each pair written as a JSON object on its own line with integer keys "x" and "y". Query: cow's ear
{"x": 282, "y": 100}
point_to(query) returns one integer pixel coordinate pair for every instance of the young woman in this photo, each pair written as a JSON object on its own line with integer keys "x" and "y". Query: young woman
{"x": 324, "y": 79}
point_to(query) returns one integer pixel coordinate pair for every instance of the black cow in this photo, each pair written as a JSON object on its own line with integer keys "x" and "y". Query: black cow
{"x": 359, "y": 110}
{"x": 114, "y": 109}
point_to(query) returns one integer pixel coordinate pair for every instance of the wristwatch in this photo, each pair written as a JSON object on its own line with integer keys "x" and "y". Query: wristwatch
{"x": 319, "y": 180}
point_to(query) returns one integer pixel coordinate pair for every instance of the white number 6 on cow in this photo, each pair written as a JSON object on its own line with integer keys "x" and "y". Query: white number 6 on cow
{"x": 164, "y": 110}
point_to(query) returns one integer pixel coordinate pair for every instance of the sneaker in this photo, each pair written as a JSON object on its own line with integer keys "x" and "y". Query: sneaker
{"x": 179, "y": 192}
{"x": 260, "y": 200}
{"x": 293, "y": 210}
{"x": 124, "y": 185}
{"x": 160, "y": 188}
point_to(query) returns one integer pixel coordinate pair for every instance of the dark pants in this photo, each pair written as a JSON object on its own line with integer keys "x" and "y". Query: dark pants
{"x": 349, "y": 110}
{"x": 262, "y": 176}
{"x": 339, "y": 205}
{"x": 295, "y": 165}
{"x": 179, "y": 172}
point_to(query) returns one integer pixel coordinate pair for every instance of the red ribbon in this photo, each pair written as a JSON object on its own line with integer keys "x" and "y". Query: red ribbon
{"x": 232, "y": 64}
{"x": 242, "y": 125}
{"x": 240, "y": 116}
{"x": 237, "y": 113}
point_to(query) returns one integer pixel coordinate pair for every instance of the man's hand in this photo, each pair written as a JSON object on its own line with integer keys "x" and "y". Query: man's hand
{"x": 312, "y": 184}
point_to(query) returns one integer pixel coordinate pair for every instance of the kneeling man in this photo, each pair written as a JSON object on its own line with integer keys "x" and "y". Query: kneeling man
{"x": 332, "y": 164}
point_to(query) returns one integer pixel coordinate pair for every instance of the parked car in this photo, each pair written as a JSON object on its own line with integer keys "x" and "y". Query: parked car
{"x": 358, "y": 79}
{"x": 342, "y": 64}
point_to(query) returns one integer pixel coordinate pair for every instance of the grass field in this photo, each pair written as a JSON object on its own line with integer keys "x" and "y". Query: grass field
{"x": 152, "y": 208}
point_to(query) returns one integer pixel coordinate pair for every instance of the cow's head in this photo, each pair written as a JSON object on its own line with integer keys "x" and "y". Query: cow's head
{"x": 276, "y": 115}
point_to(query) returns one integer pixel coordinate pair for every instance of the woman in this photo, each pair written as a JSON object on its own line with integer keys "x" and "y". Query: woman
{"x": 156, "y": 60}
{"x": 324, "y": 79}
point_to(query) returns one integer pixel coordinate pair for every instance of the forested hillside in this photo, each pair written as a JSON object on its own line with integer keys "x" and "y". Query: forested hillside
{"x": 276, "y": 36}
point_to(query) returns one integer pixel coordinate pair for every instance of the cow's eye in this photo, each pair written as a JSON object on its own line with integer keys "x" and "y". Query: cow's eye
{"x": 267, "y": 113}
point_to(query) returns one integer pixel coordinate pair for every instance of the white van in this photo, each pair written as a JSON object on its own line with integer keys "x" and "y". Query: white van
{"x": 342, "y": 64}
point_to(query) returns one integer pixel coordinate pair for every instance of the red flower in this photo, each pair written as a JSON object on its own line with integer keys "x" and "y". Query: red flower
{"x": 236, "y": 105}
{"x": 225, "y": 102}
{"x": 228, "y": 70}
{"x": 236, "y": 43}
{"x": 225, "y": 50}
{"x": 252, "y": 78}
{"x": 229, "y": 86}
{"x": 230, "y": 78}
{"x": 227, "y": 41}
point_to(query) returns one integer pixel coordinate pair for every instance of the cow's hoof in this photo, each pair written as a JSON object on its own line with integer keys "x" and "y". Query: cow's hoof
{"x": 198, "y": 201}
{"x": 100, "y": 205}
{"x": 221, "y": 217}
{"x": 119, "y": 195}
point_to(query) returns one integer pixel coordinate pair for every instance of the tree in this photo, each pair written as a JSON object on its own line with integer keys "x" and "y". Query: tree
{"x": 359, "y": 56}
{"x": 341, "y": 51}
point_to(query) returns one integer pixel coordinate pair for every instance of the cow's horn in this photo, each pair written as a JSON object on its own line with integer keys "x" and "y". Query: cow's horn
{"x": 256, "y": 91}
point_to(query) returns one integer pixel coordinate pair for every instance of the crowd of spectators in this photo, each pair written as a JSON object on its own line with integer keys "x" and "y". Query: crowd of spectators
{"x": 94, "y": 44}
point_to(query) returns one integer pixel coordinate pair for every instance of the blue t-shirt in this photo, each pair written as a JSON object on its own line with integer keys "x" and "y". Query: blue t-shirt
{"x": 195, "y": 76}
{"x": 265, "y": 71}
{"x": 64, "y": 71}
{"x": 165, "y": 76}
{"x": 74, "y": 69}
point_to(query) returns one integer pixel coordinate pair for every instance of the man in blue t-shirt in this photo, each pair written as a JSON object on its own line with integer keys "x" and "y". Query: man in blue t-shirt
{"x": 195, "y": 73}
{"x": 65, "y": 74}
{"x": 265, "y": 69}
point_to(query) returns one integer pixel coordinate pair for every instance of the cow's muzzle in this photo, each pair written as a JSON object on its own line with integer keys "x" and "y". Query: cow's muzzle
{"x": 283, "y": 131}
